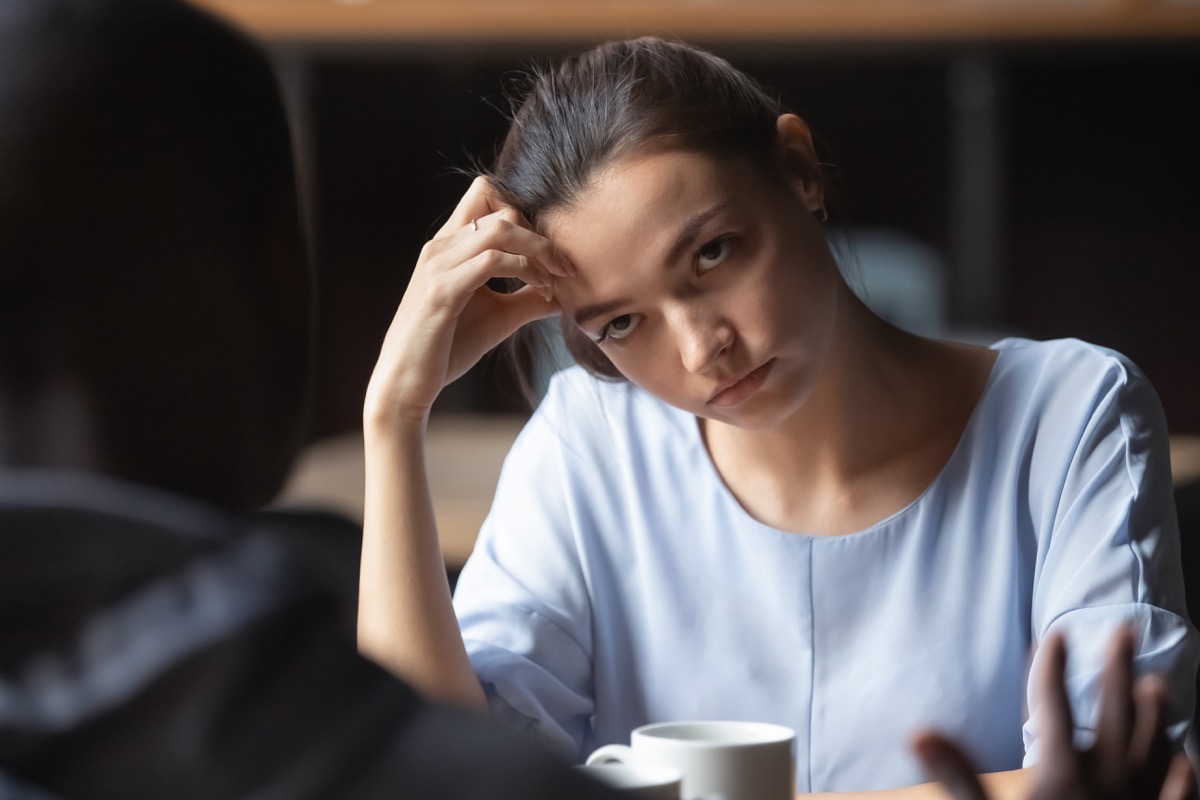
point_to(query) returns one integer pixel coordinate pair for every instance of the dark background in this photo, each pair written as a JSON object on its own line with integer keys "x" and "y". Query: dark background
{"x": 1098, "y": 220}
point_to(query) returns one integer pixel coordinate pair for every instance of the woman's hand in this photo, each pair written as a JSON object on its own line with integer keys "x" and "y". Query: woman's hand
{"x": 446, "y": 322}
{"x": 449, "y": 318}
{"x": 1131, "y": 759}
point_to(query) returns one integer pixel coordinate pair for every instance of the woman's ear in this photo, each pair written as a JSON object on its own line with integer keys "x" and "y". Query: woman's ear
{"x": 800, "y": 162}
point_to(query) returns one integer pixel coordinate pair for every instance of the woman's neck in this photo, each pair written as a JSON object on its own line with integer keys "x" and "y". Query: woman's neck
{"x": 881, "y": 422}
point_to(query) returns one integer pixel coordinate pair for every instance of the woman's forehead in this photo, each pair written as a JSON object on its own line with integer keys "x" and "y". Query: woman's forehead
{"x": 626, "y": 226}
{"x": 640, "y": 193}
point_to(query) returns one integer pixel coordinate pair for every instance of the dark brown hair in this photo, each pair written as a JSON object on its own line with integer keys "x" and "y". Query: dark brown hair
{"x": 610, "y": 101}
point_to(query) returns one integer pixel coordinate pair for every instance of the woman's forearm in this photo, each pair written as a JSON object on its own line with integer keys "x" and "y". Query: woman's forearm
{"x": 447, "y": 320}
{"x": 406, "y": 622}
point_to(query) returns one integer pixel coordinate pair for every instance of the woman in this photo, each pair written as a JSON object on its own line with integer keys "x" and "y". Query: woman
{"x": 755, "y": 499}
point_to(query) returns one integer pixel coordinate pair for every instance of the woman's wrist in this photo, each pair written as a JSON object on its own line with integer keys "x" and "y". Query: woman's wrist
{"x": 393, "y": 423}
{"x": 385, "y": 414}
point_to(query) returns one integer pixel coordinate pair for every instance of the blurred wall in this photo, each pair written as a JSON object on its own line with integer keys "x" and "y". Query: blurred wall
{"x": 1097, "y": 156}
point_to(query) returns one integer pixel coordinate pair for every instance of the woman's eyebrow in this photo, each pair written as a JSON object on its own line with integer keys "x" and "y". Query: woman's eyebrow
{"x": 588, "y": 313}
{"x": 683, "y": 242}
{"x": 691, "y": 229}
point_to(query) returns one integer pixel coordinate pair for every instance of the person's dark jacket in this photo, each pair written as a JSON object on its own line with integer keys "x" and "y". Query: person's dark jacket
{"x": 154, "y": 647}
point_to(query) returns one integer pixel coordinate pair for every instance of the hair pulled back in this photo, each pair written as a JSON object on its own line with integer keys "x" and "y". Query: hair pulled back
{"x": 618, "y": 98}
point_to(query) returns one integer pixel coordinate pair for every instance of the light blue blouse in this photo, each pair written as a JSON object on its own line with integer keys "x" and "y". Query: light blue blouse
{"x": 617, "y": 581}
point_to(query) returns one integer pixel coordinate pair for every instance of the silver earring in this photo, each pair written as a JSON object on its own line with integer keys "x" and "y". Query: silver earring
{"x": 822, "y": 215}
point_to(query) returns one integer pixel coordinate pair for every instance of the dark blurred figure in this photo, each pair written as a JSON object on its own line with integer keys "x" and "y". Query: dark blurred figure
{"x": 158, "y": 637}
{"x": 155, "y": 316}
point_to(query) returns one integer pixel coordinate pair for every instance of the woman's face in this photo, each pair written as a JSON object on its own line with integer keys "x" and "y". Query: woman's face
{"x": 703, "y": 282}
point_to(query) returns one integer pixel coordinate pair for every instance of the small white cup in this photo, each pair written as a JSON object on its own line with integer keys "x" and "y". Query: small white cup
{"x": 733, "y": 760}
{"x": 643, "y": 781}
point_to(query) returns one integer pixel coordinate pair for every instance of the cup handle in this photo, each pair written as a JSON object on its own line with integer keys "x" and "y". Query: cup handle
{"x": 611, "y": 754}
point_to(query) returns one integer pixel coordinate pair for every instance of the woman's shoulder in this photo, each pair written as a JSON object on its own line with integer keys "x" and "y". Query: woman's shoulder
{"x": 1066, "y": 382}
{"x": 1062, "y": 365}
{"x": 1061, "y": 353}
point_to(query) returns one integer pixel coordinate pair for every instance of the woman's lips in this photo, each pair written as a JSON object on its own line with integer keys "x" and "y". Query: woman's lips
{"x": 742, "y": 389}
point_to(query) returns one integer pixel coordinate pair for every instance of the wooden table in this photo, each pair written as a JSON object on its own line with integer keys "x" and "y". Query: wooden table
{"x": 464, "y": 455}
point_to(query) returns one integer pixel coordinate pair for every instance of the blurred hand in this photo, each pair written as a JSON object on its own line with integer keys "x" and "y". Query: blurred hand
{"x": 1131, "y": 759}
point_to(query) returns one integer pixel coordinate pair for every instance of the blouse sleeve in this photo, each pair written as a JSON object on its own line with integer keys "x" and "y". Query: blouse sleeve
{"x": 1111, "y": 554}
{"x": 522, "y": 602}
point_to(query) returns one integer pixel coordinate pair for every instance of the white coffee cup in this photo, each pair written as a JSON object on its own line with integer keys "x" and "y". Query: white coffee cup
{"x": 645, "y": 782}
{"x": 733, "y": 760}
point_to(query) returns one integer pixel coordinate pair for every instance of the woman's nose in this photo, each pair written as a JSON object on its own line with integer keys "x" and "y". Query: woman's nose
{"x": 702, "y": 339}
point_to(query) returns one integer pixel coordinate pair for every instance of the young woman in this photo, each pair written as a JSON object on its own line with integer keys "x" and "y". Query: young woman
{"x": 754, "y": 499}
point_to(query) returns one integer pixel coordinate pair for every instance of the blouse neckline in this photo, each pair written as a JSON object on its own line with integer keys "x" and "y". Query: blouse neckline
{"x": 695, "y": 442}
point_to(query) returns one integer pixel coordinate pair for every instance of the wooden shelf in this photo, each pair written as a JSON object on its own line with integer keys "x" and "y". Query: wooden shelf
{"x": 419, "y": 21}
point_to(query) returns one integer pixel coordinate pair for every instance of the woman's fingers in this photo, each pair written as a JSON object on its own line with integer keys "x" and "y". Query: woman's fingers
{"x": 494, "y": 318}
{"x": 448, "y": 317}
{"x": 1180, "y": 783}
{"x": 1150, "y": 701}
{"x": 1115, "y": 726}
{"x": 502, "y": 227}
{"x": 1132, "y": 751}
{"x": 1132, "y": 756}
{"x": 948, "y": 765}
{"x": 499, "y": 247}
{"x": 488, "y": 320}
{"x": 474, "y": 274}
{"x": 1150, "y": 749}
{"x": 507, "y": 230}
{"x": 1055, "y": 722}
{"x": 479, "y": 200}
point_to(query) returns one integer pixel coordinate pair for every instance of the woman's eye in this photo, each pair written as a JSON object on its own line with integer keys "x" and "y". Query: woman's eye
{"x": 620, "y": 327}
{"x": 712, "y": 254}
